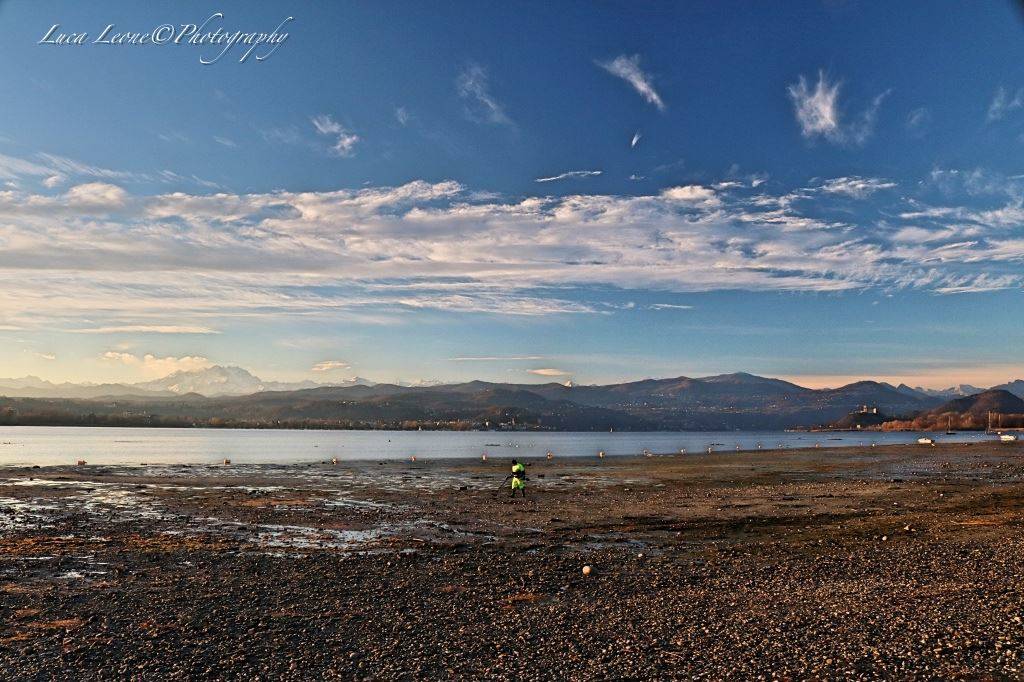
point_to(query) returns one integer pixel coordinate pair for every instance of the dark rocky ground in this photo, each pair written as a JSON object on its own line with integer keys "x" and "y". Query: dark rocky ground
{"x": 898, "y": 562}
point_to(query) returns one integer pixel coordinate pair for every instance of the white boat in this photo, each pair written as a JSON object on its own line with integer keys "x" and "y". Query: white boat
{"x": 1008, "y": 437}
{"x": 925, "y": 440}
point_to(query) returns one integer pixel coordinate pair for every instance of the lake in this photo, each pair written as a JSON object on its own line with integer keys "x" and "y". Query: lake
{"x": 46, "y": 445}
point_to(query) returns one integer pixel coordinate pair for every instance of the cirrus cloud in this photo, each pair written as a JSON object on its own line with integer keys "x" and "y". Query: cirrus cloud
{"x": 628, "y": 69}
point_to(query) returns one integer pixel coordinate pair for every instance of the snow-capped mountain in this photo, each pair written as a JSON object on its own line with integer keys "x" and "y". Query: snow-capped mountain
{"x": 958, "y": 391}
{"x": 219, "y": 380}
{"x": 211, "y": 382}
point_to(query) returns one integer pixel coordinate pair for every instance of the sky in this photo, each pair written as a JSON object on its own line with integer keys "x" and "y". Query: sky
{"x": 820, "y": 191}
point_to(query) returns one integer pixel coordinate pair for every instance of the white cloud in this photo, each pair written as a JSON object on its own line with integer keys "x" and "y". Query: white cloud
{"x": 473, "y": 87}
{"x": 818, "y": 113}
{"x": 549, "y": 372}
{"x": 330, "y": 366}
{"x": 628, "y": 69}
{"x": 696, "y": 194}
{"x": 402, "y": 116}
{"x": 97, "y": 195}
{"x": 152, "y": 366}
{"x": 669, "y": 306}
{"x": 182, "y": 263}
{"x": 344, "y": 140}
{"x": 636, "y": 140}
{"x": 855, "y": 186}
{"x": 49, "y": 357}
{"x": 1003, "y": 103}
{"x": 54, "y": 181}
{"x": 227, "y": 142}
{"x": 570, "y": 174}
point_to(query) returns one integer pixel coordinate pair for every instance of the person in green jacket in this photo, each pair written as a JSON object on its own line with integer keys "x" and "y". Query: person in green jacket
{"x": 518, "y": 476}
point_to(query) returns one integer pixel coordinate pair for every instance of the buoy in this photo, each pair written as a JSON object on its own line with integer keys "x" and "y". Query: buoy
{"x": 551, "y": 455}
{"x": 586, "y": 570}
{"x": 413, "y": 458}
{"x": 484, "y": 457}
{"x": 334, "y": 460}
{"x": 600, "y": 454}
{"x": 226, "y": 461}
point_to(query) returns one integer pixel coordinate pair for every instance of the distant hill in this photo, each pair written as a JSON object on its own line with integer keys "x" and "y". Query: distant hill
{"x": 997, "y": 401}
{"x": 968, "y": 413}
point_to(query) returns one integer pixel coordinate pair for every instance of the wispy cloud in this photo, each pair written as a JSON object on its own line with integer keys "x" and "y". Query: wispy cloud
{"x": 819, "y": 115}
{"x": 55, "y": 170}
{"x": 628, "y": 69}
{"x": 497, "y": 358}
{"x": 855, "y": 186}
{"x": 1003, "y": 102}
{"x": 145, "y": 329}
{"x": 549, "y": 372}
{"x": 224, "y": 141}
{"x": 49, "y": 357}
{"x": 669, "y": 306}
{"x": 918, "y": 121}
{"x": 330, "y": 366}
{"x": 344, "y": 140}
{"x": 570, "y": 174}
{"x": 174, "y": 137}
{"x": 403, "y": 116}
{"x": 636, "y": 139}
{"x": 473, "y": 87}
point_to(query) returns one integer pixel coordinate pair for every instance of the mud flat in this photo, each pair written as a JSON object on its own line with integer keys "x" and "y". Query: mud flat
{"x": 865, "y": 563}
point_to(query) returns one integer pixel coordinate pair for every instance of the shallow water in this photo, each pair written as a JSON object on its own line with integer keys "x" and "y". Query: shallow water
{"x": 50, "y": 445}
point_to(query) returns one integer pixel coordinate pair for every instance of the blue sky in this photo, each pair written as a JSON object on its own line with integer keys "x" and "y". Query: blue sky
{"x": 535, "y": 191}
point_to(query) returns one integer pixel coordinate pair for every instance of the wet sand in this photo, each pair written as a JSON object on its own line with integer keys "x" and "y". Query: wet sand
{"x": 888, "y": 562}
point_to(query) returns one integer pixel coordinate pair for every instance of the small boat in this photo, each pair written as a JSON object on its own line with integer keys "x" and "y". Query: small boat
{"x": 1008, "y": 437}
{"x": 949, "y": 427}
{"x": 925, "y": 440}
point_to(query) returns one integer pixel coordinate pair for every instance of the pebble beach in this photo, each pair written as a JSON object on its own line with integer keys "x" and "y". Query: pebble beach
{"x": 857, "y": 563}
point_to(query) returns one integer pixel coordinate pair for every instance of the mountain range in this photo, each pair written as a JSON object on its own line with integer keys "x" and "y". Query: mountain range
{"x": 231, "y": 396}
{"x": 234, "y": 381}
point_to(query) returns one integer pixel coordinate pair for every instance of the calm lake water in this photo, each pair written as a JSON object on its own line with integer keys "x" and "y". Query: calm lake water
{"x": 26, "y": 445}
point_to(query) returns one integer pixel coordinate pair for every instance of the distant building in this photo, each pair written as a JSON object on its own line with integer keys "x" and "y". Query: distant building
{"x": 867, "y": 409}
